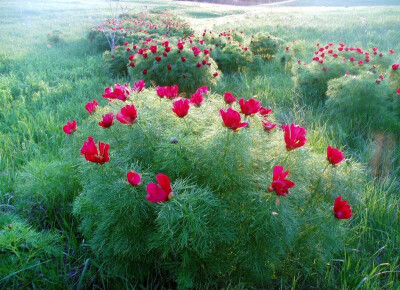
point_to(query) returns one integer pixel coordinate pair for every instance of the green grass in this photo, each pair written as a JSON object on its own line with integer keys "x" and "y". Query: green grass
{"x": 41, "y": 88}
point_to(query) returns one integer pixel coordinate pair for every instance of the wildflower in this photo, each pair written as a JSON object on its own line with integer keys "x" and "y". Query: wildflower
{"x": 279, "y": 184}
{"x": 120, "y": 92}
{"x": 391, "y": 51}
{"x": 107, "y": 121}
{"x": 183, "y": 58}
{"x": 232, "y": 119}
{"x": 70, "y": 127}
{"x": 196, "y": 99}
{"x": 133, "y": 178}
{"x": 268, "y": 125}
{"x": 229, "y": 98}
{"x": 153, "y": 49}
{"x": 160, "y": 192}
{"x": 295, "y": 136}
{"x": 127, "y": 115}
{"x": 132, "y": 64}
{"x": 342, "y": 209}
{"x": 144, "y": 71}
{"x": 181, "y": 107}
{"x": 91, "y": 106}
{"x": 139, "y": 86}
{"x": 249, "y": 107}
{"x": 334, "y": 156}
{"x": 395, "y": 66}
{"x": 92, "y": 154}
{"x": 203, "y": 90}
{"x": 264, "y": 111}
{"x": 169, "y": 67}
{"x": 215, "y": 74}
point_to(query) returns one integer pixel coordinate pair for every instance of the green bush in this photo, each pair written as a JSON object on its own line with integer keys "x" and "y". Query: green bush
{"x": 265, "y": 45}
{"x": 171, "y": 69}
{"x": 44, "y": 191}
{"x": 54, "y": 37}
{"x": 360, "y": 101}
{"x": 294, "y": 53}
{"x": 222, "y": 225}
{"x": 27, "y": 257}
{"x": 232, "y": 57}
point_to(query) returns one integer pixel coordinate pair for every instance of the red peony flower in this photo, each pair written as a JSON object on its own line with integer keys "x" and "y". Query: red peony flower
{"x": 391, "y": 50}
{"x": 158, "y": 58}
{"x": 196, "y": 99}
{"x": 279, "y": 184}
{"x": 144, "y": 71}
{"x": 199, "y": 64}
{"x": 139, "y": 86}
{"x": 153, "y": 49}
{"x": 215, "y": 74}
{"x": 295, "y": 136}
{"x": 264, "y": 111}
{"x": 132, "y": 64}
{"x": 342, "y": 209}
{"x": 134, "y": 178}
{"x": 334, "y": 156}
{"x": 89, "y": 150}
{"x": 268, "y": 125}
{"x": 203, "y": 90}
{"x": 398, "y": 91}
{"x": 249, "y": 107}
{"x": 229, "y": 98}
{"x": 352, "y": 58}
{"x": 232, "y": 119}
{"x": 395, "y": 66}
{"x": 131, "y": 57}
{"x": 91, "y": 106}
{"x": 70, "y": 127}
{"x": 160, "y": 192}
{"x": 181, "y": 107}
{"x": 120, "y": 92}
{"x": 108, "y": 120}
{"x": 128, "y": 115}
{"x": 183, "y": 58}
{"x": 169, "y": 67}
{"x": 325, "y": 68}
{"x": 360, "y": 62}
{"x": 180, "y": 45}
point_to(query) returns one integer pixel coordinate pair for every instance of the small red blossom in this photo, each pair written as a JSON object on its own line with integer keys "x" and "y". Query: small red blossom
{"x": 203, "y": 90}
{"x": 334, "y": 156}
{"x": 215, "y": 74}
{"x": 168, "y": 92}
{"x": 70, "y": 127}
{"x": 153, "y": 49}
{"x": 134, "y": 178}
{"x": 295, "y": 136}
{"x": 160, "y": 192}
{"x": 181, "y": 107}
{"x": 280, "y": 184}
{"x": 398, "y": 91}
{"x": 91, "y": 106}
{"x": 395, "y": 66}
{"x": 232, "y": 119}
{"x": 144, "y": 71}
{"x": 360, "y": 62}
{"x": 352, "y": 59}
{"x": 132, "y": 64}
{"x": 196, "y": 99}
{"x": 131, "y": 57}
{"x": 229, "y": 98}
{"x": 120, "y": 92}
{"x": 107, "y": 121}
{"x": 324, "y": 68}
{"x": 158, "y": 58}
{"x": 199, "y": 64}
{"x": 249, "y": 107}
{"x": 127, "y": 115}
{"x": 342, "y": 210}
{"x": 139, "y": 86}
{"x": 92, "y": 154}
{"x": 264, "y": 111}
{"x": 391, "y": 51}
{"x": 183, "y": 58}
{"x": 268, "y": 125}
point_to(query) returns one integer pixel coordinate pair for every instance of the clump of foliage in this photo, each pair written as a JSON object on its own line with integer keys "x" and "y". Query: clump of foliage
{"x": 291, "y": 54}
{"x": 360, "y": 100}
{"x": 54, "y": 37}
{"x": 265, "y": 45}
{"x": 44, "y": 191}
{"x": 221, "y": 222}
{"x": 27, "y": 257}
{"x": 169, "y": 64}
{"x": 232, "y": 57}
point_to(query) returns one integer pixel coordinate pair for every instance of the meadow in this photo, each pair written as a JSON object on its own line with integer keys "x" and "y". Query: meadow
{"x": 52, "y": 201}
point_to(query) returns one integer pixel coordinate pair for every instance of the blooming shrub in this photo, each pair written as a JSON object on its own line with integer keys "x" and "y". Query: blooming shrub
{"x": 232, "y": 57}
{"x": 265, "y": 45}
{"x": 54, "y": 37}
{"x": 169, "y": 64}
{"x": 360, "y": 100}
{"x": 203, "y": 213}
{"x": 293, "y": 53}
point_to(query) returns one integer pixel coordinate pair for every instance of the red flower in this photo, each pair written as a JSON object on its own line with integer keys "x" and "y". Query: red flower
{"x": 128, "y": 115}
{"x": 279, "y": 184}
{"x": 89, "y": 150}
{"x": 203, "y": 90}
{"x": 132, "y": 64}
{"x": 180, "y": 45}
{"x": 268, "y": 125}
{"x": 199, "y": 64}
{"x": 134, "y": 178}
{"x": 168, "y": 92}
{"x": 287, "y": 47}
{"x": 169, "y": 67}
{"x": 395, "y": 66}
{"x": 108, "y": 120}
{"x": 153, "y": 49}
{"x": 144, "y": 71}
{"x": 70, "y": 127}
{"x": 391, "y": 50}
{"x": 360, "y": 62}
{"x": 325, "y": 68}
{"x": 132, "y": 56}
{"x": 232, "y": 119}
{"x": 91, "y": 106}
{"x": 139, "y": 86}
{"x": 196, "y": 99}
{"x": 249, "y": 107}
{"x": 120, "y": 92}
{"x": 215, "y": 74}
{"x": 295, "y": 136}
{"x": 334, "y": 156}
{"x": 229, "y": 98}
{"x": 342, "y": 209}
{"x": 158, "y": 58}
{"x": 159, "y": 192}
{"x": 264, "y": 111}
{"x": 398, "y": 91}
{"x": 352, "y": 58}
{"x": 181, "y": 107}
{"x": 183, "y": 58}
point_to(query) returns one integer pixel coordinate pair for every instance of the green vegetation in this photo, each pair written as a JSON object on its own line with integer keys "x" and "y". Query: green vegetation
{"x": 65, "y": 222}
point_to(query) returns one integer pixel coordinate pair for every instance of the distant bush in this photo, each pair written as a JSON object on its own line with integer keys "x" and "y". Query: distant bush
{"x": 222, "y": 224}
{"x": 27, "y": 257}
{"x": 54, "y": 37}
{"x": 265, "y": 45}
{"x": 232, "y": 58}
{"x": 44, "y": 191}
{"x": 291, "y": 54}
{"x": 360, "y": 100}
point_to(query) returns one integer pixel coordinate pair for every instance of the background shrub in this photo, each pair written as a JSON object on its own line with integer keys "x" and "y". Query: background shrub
{"x": 265, "y": 45}
{"x": 232, "y": 57}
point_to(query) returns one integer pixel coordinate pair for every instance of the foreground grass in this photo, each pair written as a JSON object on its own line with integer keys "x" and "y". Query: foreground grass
{"x": 41, "y": 88}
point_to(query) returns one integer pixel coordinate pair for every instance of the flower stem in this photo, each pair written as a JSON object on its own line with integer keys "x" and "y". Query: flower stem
{"x": 147, "y": 137}
{"x": 319, "y": 179}
{"x": 228, "y": 141}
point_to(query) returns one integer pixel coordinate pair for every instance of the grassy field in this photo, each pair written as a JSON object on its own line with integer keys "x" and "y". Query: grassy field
{"x": 42, "y": 86}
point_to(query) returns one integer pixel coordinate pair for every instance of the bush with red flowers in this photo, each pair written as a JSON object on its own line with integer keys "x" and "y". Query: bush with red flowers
{"x": 183, "y": 64}
{"x": 214, "y": 197}
{"x": 232, "y": 57}
{"x": 266, "y": 45}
